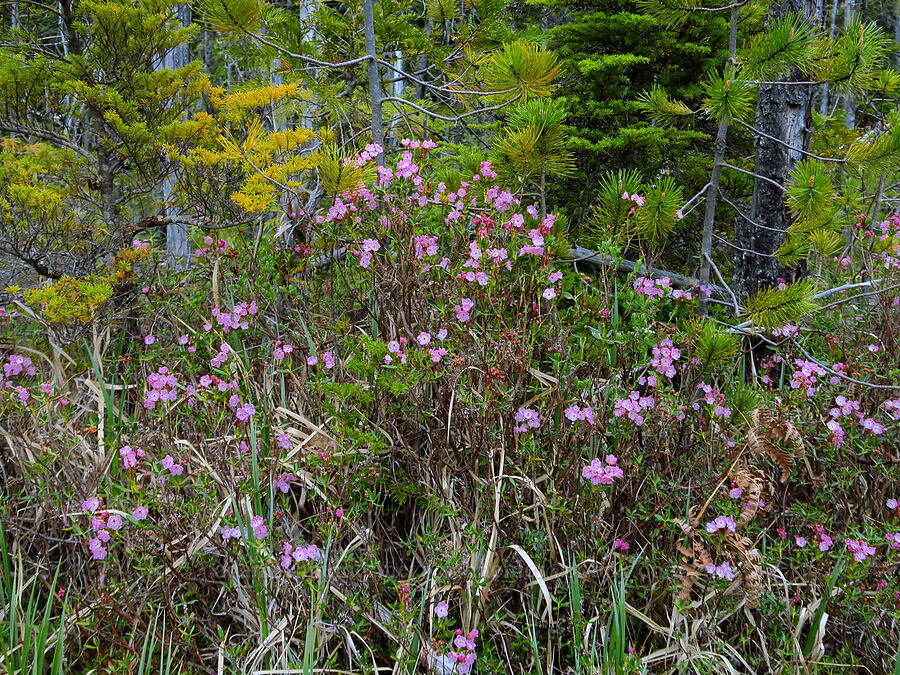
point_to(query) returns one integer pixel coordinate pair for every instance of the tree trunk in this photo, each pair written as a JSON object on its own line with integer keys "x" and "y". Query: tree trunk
{"x": 374, "y": 78}
{"x": 712, "y": 190}
{"x": 849, "y": 102}
{"x": 178, "y": 253}
{"x": 783, "y": 112}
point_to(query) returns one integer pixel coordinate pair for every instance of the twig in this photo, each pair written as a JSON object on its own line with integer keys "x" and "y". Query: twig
{"x": 755, "y": 175}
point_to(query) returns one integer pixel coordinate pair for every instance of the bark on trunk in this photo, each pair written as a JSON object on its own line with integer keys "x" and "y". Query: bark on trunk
{"x": 784, "y": 112}
{"x": 178, "y": 253}
{"x": 374, "y": 75}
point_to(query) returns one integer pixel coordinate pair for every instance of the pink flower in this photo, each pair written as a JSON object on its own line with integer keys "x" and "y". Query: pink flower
{"x": 98, "y": 551}
{"x": 859, "y": 548}
{"x": 600, "y": 474}
{"x": 283, "y": 481}
{"x": 328, "y": 360}
{"x": 257, "y": 523}
{"x": 549, "y": 293}
{"x": 149, "y": 340}
{"x": 114, "y": 522}
{"x": 140, "y": 512}
{"x": 721, "y": 523}
{"x": 91, "y": 504}
{"x": 527, "y": 418}
{"x": 620, "y": 545}
{"x": 892, "y": 504}
{"x": 800, "y": 541}
{"x": 245, "y": 412}
{"x": 424, "y": 338}
{"x": 441, "y": 609}
{"x": 462, "y": 309}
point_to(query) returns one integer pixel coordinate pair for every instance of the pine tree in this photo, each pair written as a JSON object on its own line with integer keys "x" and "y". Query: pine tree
{"x": 794, "y": 204}
{"x": 610, "y": 52}
{"x": 98, "y": 126}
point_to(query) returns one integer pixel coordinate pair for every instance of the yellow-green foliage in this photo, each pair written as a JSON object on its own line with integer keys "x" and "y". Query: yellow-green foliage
{"x": 233, "y": 139}
{"x": 75, "y": 301}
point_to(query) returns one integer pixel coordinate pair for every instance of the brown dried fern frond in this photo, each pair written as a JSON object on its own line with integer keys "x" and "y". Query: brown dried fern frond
{"x": 693, "y": 560}
{"x": 774, "y": 435}
{"x": 750, "y": 563}
{"x": 753, "y": 485}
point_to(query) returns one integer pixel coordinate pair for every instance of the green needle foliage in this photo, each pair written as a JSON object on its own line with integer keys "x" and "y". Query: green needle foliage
{"x": 774, "y": 307}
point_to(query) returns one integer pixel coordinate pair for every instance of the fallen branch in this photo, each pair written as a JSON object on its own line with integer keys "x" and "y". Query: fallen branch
{"x": 581, "y": 254}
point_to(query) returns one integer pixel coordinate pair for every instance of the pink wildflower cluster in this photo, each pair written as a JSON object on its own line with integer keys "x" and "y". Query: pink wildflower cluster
{"x": 282, "y": 482}
{"x": 894, "y": 540}
{"x": 825, "y": 542}
{"x": 789, "y": 330}
{"x": 550, "y": 292}
{"x": 257, "y": 528}
{"x": 847, "y": 408}
{"x": 162, "y": 388}
{"x": 281, "y": 350}
{"x": 170, "y": 465}
{"x": 721, "y": 523}
{"x": 425, "y": 245}
{"x": 369, "y": 247}
{"x": 635, "y": 199}
{"x": 893, "y": 408}
{"x": 665, "y": 354}
{"x": 221, "y": 356}
{"x": 632, "y": 406}
{"x": 291, "y": 554}
{"x": 17, "y": 364}
{"x": 463, "y": 654}
{"x": 406, "y": 167}
{"x": 715, "y": 398}
{"x": 806, "y": 376}
{"x": 130, "y": 456}
{"x": 103, "y": 523}
{"x": 369, "y": 154}
{"x": 620, "y": 545}
{"x": 245, "y": 412}
{"x": 474, "y": 272}
{"x": 575, "y": 413}
{"x": 416, "y": 145}
{"x": 212, "y": 247}
{"x": 526, "y": 418}
{"x": 395, "y": 347}
{"x": 722, "y": 571}
{"x": 659, "y": 288}
{"x": 859, "y": 548}
{"x": 603, "y": 474}
{"x": 327, "y": 359}
{"x": 237, "y": 318}
{"x": 536, "y": 247}
{"x": 462, "y": 309}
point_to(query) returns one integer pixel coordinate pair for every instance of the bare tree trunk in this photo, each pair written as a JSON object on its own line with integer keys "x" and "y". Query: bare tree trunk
{"x": 374, "y": 79}
{"x": 849, "y": 102}
{"x": 823, "y": 104}
{"x": 783, "y": 112}
{"x": 712, "y": 190}
{"x": 178, "y": 254}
